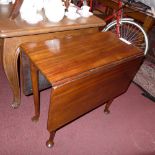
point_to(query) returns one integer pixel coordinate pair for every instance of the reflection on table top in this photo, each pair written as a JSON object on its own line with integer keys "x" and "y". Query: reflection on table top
{"x": 18, "y": 27}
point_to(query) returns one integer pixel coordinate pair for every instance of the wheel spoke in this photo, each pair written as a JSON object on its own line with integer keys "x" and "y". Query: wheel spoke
{"x": 132, "y": 33}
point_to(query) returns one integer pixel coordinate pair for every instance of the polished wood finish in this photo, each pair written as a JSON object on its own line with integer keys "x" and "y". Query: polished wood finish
{"x": 34, "y": 78}
{"x": 14, "y": 32}
{"x": 147, "y": 20}
{"x": 1, "y": 50}
{"x": 50, "y": 141}
{"x": 18, "y": 27}
{"x": 84, "y": 71}
{"x": 15, "y": 9}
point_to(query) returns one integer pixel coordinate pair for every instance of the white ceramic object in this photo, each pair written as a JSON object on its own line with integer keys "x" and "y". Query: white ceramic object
{"x": 29, "y": 11}
{"x": 28, "y": 5}
{"x": 39, "y": 4}
{"x": 34, "y": 19}
{"x": 84, "y": 12}
{"x": 72, "y": 16}
{"x": 54, "y": 10}
{"x": 72, "y": 13}
{"x": 72, "y": 9}
{"x": 85, "y": 8}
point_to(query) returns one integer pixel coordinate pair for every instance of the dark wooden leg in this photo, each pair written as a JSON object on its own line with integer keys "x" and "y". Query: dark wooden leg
{"x": 50, "y": 141}
{"x": 106, "y": 110}
{"x": 34, "y": 78}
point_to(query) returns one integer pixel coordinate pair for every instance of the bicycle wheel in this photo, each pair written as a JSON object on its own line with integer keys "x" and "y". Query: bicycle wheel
{"x": 131, "y": 33}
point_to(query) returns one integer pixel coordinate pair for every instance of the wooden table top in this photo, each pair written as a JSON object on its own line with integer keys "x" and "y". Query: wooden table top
{"x": 18, "y": 27}
{"x": 59, "y": 59}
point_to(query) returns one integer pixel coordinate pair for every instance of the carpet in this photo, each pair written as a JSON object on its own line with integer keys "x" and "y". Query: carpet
{"x": 128, "y": 130}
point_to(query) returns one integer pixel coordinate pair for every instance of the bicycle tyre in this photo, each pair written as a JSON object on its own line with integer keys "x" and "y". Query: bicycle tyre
{"x": 131, "y": 33}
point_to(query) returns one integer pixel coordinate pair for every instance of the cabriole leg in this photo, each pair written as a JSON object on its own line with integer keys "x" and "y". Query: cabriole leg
{"x": 50, "y": 141}
{"x": 10, "y": 57}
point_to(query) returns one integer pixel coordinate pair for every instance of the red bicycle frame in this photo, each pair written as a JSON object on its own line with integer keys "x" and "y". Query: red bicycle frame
{"x": 117, "y": 14}
{"x": 118, "y": 17}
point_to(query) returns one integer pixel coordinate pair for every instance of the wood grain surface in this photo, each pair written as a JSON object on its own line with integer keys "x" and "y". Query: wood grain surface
{"x": 18, "y": 27}
{"x": 84, "y": 71}
{"x": 68, "y": 55}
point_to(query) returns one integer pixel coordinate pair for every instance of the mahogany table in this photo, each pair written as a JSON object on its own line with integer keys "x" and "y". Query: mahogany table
{"x": 14, "y": 32}
{"x": 99, "y": 68}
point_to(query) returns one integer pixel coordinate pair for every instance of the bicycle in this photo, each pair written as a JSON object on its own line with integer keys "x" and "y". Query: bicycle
{"x": 126, "y": 29}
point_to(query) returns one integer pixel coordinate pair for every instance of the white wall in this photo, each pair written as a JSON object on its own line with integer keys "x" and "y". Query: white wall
{"x": 150, "y": 3}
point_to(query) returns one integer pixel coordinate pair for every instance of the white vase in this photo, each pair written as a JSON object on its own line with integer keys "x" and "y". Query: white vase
{"x": 29, "y": 11}
{"x": 54, "y": 10}
{"x": 39, "y": 4}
